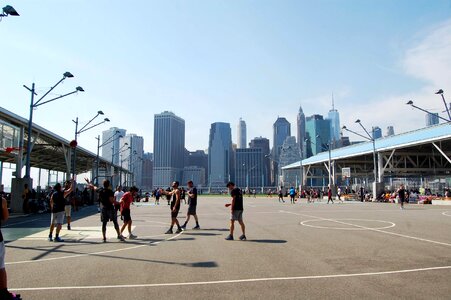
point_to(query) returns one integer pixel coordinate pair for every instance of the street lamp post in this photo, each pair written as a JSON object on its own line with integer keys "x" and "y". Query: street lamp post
{"x": 109, "y": 140}
{"x": 78, "y": 132}
{"x": 8, "y": 10}
{"x": 370, "y": 138}
{"x": 119, "y": 153}
{"x": 34, "y": 105}
{"x": 410, "y": 102}
{"x": 440, "y": 92}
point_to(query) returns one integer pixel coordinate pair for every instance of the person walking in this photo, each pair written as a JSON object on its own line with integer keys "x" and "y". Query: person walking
{"x": 401, "y": 196}
{"x": 292, "y": 194}
{"x": 280, "y": 194}
{"x": 118, "y": 194}
{"x": 339, "y": 194}
{"x": 237, "y": 208}
{"x": 329, "y": 195}
{"x": 175, "y": 206}
{"x": 108, "y": 212}
{"x": 192, "y": 205}
{"x": 57, "y": 207}
{"x": 4, "y": 293}
{"x": 125, "y": 201}
{"x": 26, "y": 196}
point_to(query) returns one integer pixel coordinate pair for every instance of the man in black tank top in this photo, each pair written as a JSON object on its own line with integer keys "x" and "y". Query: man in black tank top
{"x": 175, "y": 206}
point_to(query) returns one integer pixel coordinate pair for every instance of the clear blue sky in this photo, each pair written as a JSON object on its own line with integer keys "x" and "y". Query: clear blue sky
{"x": 211, "y": 61}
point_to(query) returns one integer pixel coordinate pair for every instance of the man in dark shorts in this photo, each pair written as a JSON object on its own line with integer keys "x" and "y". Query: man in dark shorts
{"x": 402, "y": 196}
{"x": 192, "y": 205}
{"x": 4, "y": 293}
{"x": 126, "y": 201}
{"x": 175, "y": 206}
{"x": 57, "y": 206}
{"x": 236, "y": 211}
{"x": 108, "y": 212}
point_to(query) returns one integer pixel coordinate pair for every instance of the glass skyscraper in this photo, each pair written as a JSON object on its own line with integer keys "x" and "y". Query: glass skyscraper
{"x": 220, "y": 155}
{"x": 112, "y": 144}
{"x": 334, "y": 117}
{"x": 301, "y": 131}
{"x": 241, "y": 134}
{"x": 318, "y": 134}
{"x": 169, "y": 149}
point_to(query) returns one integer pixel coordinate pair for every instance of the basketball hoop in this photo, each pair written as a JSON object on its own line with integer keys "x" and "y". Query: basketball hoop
{"x": 10, "y": 150}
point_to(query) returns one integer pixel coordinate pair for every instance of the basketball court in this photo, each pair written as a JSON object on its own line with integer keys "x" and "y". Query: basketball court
{"x": 316, "y": 251}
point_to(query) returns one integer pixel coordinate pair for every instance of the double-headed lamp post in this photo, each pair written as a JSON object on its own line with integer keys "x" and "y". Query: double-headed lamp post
{"x": 8, "y": 10}
{"x": 81, "y": 130}
{"x": 111, "y": 139}
{"x": 34, "y": 105}
{"x": 370, "y": 138}
{"x": 410, "y": 102}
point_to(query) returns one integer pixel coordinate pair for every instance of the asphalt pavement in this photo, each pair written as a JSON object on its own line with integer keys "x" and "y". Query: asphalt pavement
{"x": 314, "y": 251}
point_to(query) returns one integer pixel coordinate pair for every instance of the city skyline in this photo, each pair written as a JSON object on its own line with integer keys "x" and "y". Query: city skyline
{"x": 219, "y": 72}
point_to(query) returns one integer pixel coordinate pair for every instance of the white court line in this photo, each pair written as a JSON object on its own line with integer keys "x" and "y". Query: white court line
{"x": 93, "y": 253}
{"x": 373, "y": 229}
{"x": 231, "y": 281}
{"x": 446, "y": 213}
{"x": 391, "y": 224}
{"x": 7, "y": 225}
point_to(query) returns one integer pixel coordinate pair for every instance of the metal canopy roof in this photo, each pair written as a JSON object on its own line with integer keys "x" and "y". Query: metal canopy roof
{"x": 49, "y": 149}
{"x": 410, "y": 139}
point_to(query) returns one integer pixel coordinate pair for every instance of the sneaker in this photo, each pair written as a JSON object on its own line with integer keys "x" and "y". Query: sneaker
{"x": 121, "y": 238}
{"x": 50, "y": 238}
{"x": 196, "y": 227}
{"x": 243, "y": 238}
{"x": 184, "y": 226}
{"x": 132, "y": 236}
{"x": 229, "y": 238}
{"x": 104, "y": 240}
{"x": 68, "y": 227}
{"x": 179, "y": 230}
{"x": 58, "y": 239}
{"x": 169, "y": 232}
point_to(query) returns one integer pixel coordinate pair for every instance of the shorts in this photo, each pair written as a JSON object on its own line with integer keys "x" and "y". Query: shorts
{"x": 2, "y": 255}
{"x": 192, "y": 210}
{"x": 174, "y": 214}
{"x": 237, "y": 215}
{"x": 57, "y": 218}
{"x": 107, "y": 215}
{"x": 126, "y": 215}
{"x": 67, "y": 210}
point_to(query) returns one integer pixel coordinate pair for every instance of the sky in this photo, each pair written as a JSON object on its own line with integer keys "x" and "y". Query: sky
{"x": 217, "y": 61}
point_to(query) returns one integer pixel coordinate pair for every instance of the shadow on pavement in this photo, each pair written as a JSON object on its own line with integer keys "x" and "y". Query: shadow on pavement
{"x": 201, "y": 233}
{"x": 267, "y": 241}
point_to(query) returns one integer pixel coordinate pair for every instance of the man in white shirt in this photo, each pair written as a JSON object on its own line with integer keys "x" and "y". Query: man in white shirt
{"x": 118, "y": 194}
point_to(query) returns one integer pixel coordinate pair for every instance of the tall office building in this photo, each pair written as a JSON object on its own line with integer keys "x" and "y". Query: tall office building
{"x": 377, "y": 132}
{"x": 198, "y": 159}
{"x": 334, "y": 117}
{"x": 220, "y": 155}
{"x": 249, "y": 167}
{"x": 301, "y": 131}
{"x": 111, "y": 141}
{"x": 147, "y": 172}
{"x": 318, "y": 134}
{"x": 263, "y": 143}
{"x": 281, "y": 130}
{"x": 390, "y": 131}
{"x": 288, "y": 155}
{"x": 241, "y": 134}
{"x": 432, "y": 119}
{"x": 195, "y": 174}
{"x": 169, "y": 149}
{"x": 131, "y": 157}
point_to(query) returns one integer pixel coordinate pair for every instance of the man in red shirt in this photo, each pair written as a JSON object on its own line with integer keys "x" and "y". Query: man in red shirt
{"x": 126, "y": 201}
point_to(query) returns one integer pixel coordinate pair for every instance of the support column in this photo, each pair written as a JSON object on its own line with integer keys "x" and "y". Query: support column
{"x": 380, "y": 167}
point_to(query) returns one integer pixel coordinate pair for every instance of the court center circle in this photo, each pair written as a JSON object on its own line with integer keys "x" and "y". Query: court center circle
{"x": 346, "y": 222}
{"x": 447, "y": 213}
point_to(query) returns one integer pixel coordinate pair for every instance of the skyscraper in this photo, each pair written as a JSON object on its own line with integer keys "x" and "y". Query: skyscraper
{"x": 281, "y": 130}
{"x": 301, "y": 131}
{"x": 198, "y": 159}
{"x": 132, "y": 157}
{"x": 169, "y": 148}
{"x": 432, "y": 119}
{"x": 377, "y": 132}
{"x": 334, "y": 118}
{"x": 249, "y": 168}
{"x": 111, "y": 148}
{"x": 263, "y": 143}
{"x": 288, "y": 155}
{"x": 241, "y": 134}
{"x": 147, "y": 172}
{"x": 219, "y": 155}
{"x": 318, "y": 134}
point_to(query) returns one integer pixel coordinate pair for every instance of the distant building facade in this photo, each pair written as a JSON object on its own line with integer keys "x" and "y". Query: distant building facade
{"x": 133, "y": 153}
{"x": 390, "y": 131}
{"x": 249, "y": 168}
{"x": 220, "y": 154}
{"x": 263, "y": 144}
{"x": 318, "y": 134}
{"x": 147, "y": 172}
{"x": 241, "y": 134}
{"x": 377, "y": 132}
{"x": 432, "y": 119}
{"x": 169, "y": 149}
{"x": 195, "y": 174}
{"x": 300, "y": 126}
{"x": 111, "y": 141}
